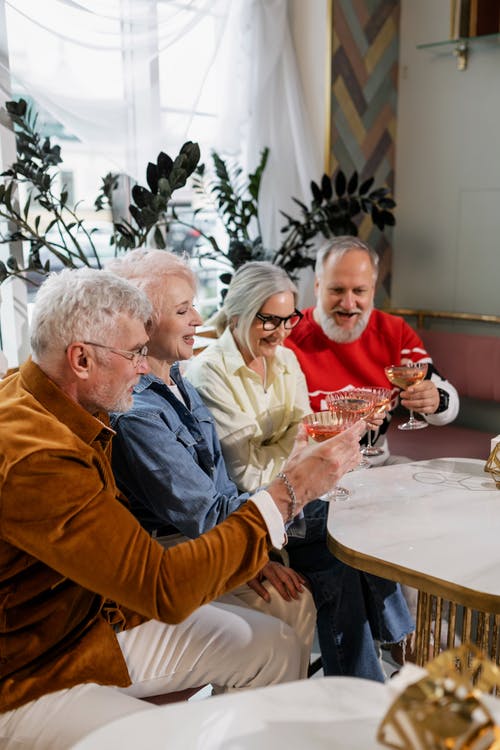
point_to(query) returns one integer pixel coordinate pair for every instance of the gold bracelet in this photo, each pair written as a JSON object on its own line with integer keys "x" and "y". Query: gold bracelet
{"x": 291, "y": 494}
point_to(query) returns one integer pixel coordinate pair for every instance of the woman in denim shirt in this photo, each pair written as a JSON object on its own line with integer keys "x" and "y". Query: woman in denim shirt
{"x": 166, "y": 454}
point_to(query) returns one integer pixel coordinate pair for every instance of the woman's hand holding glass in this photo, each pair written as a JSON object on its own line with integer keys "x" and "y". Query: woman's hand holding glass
{"x": 314, "y": 468}
{"x": 323, "y": 425}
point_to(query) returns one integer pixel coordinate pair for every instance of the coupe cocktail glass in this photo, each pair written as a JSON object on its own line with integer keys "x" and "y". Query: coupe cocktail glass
{"x": 381, "y": 400}
{"x": 403, "y": 376}
{"x": 357, "y": 403}
{"x": 323, "y": 425}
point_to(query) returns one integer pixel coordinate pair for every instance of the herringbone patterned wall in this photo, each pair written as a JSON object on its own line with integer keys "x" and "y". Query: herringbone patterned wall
{"x": 365, "y": 47}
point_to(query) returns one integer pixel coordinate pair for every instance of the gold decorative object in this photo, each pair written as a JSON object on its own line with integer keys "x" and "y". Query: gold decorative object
{"x": 443, "y": 710}
{"x": 492, "y": 465}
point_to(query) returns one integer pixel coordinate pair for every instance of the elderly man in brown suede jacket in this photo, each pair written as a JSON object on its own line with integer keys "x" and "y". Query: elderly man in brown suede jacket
{"x": 94, "y": 613}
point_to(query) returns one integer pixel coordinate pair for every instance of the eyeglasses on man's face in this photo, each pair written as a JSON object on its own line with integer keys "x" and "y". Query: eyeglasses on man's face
{"x": 272, "y": 322}
{"x": 136, "y": 356}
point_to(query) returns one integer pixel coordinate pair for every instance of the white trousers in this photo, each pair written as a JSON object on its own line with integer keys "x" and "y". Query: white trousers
{"x": 229, "y": 646}
{"x": 299, "y": 613}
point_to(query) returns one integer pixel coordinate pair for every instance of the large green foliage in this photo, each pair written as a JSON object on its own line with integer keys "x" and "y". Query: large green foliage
{"x": 47, "y": 221}
{"x": 336, "y": 206}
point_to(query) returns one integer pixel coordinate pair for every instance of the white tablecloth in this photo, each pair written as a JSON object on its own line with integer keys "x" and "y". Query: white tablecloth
{"x": 329, "y": 712}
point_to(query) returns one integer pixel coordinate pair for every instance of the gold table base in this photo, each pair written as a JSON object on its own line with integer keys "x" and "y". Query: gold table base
{"x": 442, "y": 624}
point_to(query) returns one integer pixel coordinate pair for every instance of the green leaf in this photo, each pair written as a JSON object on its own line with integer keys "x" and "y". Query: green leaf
{"x": 141, "y": 196}
{"x": 366, "y": 185}
{"x": 7, "y": 199}
{"x": 340, "y": 183}
{"x": 159, "y": 239}
{"x": 191, "y": 152}
{"x": 387, "y": 203}
{"x": 353, "y": 183}
{"x": 316, "y": 191}
{"x": 164, "y": 188}
{"x": 164, "y": 164}
{"x": 379, "y": 193}
{"x": 26, "y": 209}
{"x": 326, "y": 187}
{"x": 152, "y": 174}
{"x": 387, "y": 218}
{"x": 136, "y": 214}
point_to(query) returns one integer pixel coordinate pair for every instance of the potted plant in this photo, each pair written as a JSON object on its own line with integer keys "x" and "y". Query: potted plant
{"x": 49, "y": 224}
{"x": 335, "y": 208}
{"x": 337, "y": 204}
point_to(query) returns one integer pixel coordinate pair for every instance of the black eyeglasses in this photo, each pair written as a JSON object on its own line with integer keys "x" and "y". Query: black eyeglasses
{"x": 272, "y": 322}
{"x": 135, "y": 357}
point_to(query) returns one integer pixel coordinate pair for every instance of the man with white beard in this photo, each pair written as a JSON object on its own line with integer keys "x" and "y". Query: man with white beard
{"x": 344, "y": 342}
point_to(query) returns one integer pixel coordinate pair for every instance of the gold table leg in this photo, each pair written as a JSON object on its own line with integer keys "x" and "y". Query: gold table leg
{"x": 442, "y": 624}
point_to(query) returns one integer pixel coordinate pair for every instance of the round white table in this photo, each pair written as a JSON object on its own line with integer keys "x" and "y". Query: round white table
{"x": 434, "y": 525}
{"x": 327, "y": 712}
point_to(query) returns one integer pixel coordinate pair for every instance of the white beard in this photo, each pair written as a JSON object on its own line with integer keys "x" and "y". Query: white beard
{"x": 337, "y": 333}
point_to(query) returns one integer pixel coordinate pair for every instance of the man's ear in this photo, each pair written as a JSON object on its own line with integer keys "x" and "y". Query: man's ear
{"x": 78, "y": 360}
{"x": 316, "y": 287}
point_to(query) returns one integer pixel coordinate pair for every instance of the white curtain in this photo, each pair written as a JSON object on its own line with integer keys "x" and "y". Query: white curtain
{"x": 95, "y": 66}
{"x": 265, "y": 108}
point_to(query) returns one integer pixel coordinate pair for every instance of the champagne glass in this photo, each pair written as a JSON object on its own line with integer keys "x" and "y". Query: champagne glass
{"x": 323, "y": 425}
{"x": 381, "y": 400}
{"x": 403, "y": 376}
{"x": 355, "y": 402}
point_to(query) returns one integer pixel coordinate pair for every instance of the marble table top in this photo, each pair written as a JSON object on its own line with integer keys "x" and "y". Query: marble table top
{"x": 430, "y": 524}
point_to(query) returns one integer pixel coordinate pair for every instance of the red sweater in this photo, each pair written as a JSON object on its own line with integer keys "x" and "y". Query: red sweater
{"x": 329, "y": 366}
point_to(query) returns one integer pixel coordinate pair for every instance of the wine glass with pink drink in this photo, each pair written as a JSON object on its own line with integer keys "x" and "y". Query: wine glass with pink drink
{"x": 323, "y": 425}
{"x": 403, "y": 376}
{"x": 356, "y": 402}
{"x": 381, "y": 400}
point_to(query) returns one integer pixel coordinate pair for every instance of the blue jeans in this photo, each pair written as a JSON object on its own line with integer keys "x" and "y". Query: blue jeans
{"x": 354, "y": 608}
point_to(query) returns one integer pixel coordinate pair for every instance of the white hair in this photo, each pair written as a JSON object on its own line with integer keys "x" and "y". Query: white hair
{"x": 338, "y": 247}
{"x": 81, "y": 304}
{"x": 251, "y": 286}
{"x": 150, "y": 270}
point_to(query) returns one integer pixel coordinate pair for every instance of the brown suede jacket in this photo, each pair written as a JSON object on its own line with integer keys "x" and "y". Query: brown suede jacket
{"x": 74, "y": 563}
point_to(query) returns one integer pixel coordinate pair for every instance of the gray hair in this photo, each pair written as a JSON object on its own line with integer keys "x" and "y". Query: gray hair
{"x": 149, "y": 269}
{"x": 81, "y": 304}
{"x": 252, "y": 284}
{"x": 338, "y": 247}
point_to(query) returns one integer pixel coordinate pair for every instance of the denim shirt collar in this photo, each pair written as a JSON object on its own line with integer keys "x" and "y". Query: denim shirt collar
{"x": 150, "y": 379}
{"x": 182, "y": 409}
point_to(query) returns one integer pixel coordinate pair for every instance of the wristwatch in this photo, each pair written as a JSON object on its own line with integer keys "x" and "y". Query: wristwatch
{"x": 444, "y": 400}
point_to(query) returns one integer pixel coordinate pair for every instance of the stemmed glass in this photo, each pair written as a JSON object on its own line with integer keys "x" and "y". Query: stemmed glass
{"x": 356, "y": 402}
{"x": 381, "y": 398}
{"x": 323, "y": 425}
{"x": 403, "y": 376}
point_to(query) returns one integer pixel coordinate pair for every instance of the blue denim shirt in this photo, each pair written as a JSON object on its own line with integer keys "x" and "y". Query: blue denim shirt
{"x": 167, "y": 460}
